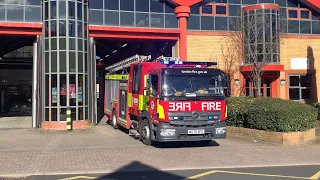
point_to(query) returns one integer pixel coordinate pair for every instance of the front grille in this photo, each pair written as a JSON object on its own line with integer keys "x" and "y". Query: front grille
{"x": 186, "y": 120}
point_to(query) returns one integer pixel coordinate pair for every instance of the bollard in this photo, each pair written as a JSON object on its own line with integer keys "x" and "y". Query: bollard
{"x": 69, "y": 120}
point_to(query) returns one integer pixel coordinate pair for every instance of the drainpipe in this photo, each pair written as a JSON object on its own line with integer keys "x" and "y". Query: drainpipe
{"x": 182, "y": 14}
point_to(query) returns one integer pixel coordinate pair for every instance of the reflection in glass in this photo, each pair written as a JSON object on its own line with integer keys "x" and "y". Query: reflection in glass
{"x": 171, "y": 21}
{"x": 221, "y": 23}
{"x": 79, "y": 13}
{"x": 32, "y": 14}
{"x": 96, "y": 17}
{"x": 54, "y": 114}
{"x": 72, "y": 90}
{"x": 293, "y": 26}
{"x": 96, "y": 4}
{"x": 54, "y": 93}
{"x": 157, "y": 20}
{"x": 62, "y": 61}
{"x": 127, "y": 5}
{"x": 111, "y": 4}
{"x": 14, "y": 13}
{"x": 72, "y": 10}
{"x": 80, "y": 29}
{"x": 126, "y": 19}
{"x": 72, "y": 28}
{"x": 53, "y": 10}
{"x": 142, "y": 5}
{"x": 193, "y": 22}
{"x": 156, "y": 6}
{"x": 305, "y": 27}
{"x": 62, "y": 10}
{"x": 72, "y": 62}
{"x": 80, "y": 90}
{"x": 62, "y": 28}
{"x": 207, "y": 23}
{"x": 63, "y": 90}
{"x": 53, "y": 28}
{"x": 112, "y": 18}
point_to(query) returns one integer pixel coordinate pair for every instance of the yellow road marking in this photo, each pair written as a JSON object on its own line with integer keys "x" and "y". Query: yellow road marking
{"x": 202, "y": 174}
{"x": 251, "y": 174}
{"x": 316, "y": 176}
{"x": 79, "y": 177}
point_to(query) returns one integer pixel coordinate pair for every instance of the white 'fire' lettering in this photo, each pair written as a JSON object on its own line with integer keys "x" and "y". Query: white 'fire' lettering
{"x": 211, "y": 106}
{"x": 180, "y": 106}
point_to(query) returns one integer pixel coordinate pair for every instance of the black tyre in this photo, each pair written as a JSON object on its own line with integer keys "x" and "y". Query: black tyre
{"x": 114, "y": 120}
{"x": 145, "y": 132}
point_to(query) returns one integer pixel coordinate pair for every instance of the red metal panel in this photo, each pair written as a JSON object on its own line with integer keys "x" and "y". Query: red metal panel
{"x": 315, "y": 2}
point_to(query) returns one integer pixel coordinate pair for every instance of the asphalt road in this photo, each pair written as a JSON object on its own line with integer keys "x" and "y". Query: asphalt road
{"x": 261, "y": 173}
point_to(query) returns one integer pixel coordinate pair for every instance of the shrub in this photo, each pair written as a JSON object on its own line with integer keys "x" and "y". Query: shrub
{"x": 317, "y": 105}
{"x": 271, "y": 114}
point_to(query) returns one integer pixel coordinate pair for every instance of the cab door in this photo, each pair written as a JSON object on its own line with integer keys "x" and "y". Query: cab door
{"x": 153, "y": 95}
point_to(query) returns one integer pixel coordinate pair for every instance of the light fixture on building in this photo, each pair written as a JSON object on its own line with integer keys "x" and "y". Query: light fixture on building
{"x": 282, "y": 82}
{"x": 236, "y": 82}
{"x": 124, "y": 45}
{"x": 114, "y": 51}
{"x": 107, "y": 55}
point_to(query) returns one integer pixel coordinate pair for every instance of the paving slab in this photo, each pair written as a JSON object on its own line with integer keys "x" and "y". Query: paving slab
{"x": 103, "y": 149}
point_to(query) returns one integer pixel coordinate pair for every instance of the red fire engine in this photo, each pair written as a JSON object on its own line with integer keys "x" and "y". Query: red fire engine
{"x": 166, "y": 99}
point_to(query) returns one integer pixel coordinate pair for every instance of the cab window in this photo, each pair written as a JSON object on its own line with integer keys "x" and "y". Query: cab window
{"x": 154, "y": 85}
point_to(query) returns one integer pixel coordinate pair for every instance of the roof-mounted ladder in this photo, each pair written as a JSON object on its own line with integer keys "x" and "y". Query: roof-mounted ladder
{"x": 126, "y": 62}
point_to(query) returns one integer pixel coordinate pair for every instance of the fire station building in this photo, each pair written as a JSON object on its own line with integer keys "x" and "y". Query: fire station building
{"x": 54, "y": 51}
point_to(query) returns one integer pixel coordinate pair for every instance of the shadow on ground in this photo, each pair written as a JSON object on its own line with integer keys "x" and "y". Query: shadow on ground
{"x": 138, "y": 171}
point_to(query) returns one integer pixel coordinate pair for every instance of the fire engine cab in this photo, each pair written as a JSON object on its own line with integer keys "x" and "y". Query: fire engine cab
{"x": 166, "y": 99}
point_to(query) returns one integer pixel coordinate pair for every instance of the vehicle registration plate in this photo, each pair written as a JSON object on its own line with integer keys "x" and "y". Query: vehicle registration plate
{"x": 196, "y": 131}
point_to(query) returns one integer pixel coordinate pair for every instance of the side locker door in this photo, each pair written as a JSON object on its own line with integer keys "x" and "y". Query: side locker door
{"x": 123, "y": 103}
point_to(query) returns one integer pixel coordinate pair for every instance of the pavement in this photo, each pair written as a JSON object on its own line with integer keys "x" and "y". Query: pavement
{"x": 15, "y": 122}
{"x": 262, "y": 173}
{"x": 103, "y": 150}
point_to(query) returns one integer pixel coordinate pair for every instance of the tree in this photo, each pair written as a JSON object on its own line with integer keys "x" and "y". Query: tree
{"x": 255, "y": 37}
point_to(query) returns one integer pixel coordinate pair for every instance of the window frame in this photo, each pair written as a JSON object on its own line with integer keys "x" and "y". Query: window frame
{"x": 299, "y": 87}
{"x": 214, "y": 10}
{"x": 299, "y": 14}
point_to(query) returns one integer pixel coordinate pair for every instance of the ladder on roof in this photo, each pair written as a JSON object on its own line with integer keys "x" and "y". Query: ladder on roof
{"x": 127, "y": 62}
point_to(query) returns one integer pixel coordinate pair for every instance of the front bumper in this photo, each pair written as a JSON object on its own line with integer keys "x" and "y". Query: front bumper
{"x": 165, "y": 132}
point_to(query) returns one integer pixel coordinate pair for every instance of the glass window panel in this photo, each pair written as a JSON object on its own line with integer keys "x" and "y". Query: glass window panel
{"x": 221, "y": 23}
{"x": 283, "y": 26}
{"x": 316, "y": 27}
{"x": 46, "y": 10}
{"x": 86, "y": 113}
{"x": 306, "y": 93}
{"x": 85, "y": 46}
{"x": 294, "y": 94}
{"x": 86, "y": 62}
{"x": 126, "y": 5}
{"x": 233, "y": 25}
{"x": 234, "y": 1}
{"x": 46, "y": 118}
{"x": 54, "y": 93}
{"x": 305, "y": 14}
{"x": 80, "y": 89}
{"x": 46, "y": 84}
{"x": 282, "y": 3}
{"x": 2, "y": 12}
{"x": 80, "y": 111}
{"x": 306, "y": 80}
{"x": 221, "y": 1}
{"x": 46, "y": 29}
{"x": 63, "y": 114}
{"x": 234, "y": 10}
{"x": 53, "y": 28}
{"x": 207, "y": 23}
{"x": 46, "y": 62}
{"x": 62, "y": 10}
{"x": 156, "y": 6}
{"x": 293, "y": 13}
{"x": 72, "y": 62}
{"x": 62, "y": 61}
{"x": 96, "y": 17}
{"x": 283, "y": 13}
{"x": 54, "y": 114}
{"x": 80, "y": 44}
{"x": 72, "y": 10}
{"x": 33, "y": 2}
{"x": 79, "y": 11}
{"x": 62, "y": 44}
{"x": 315, "y": 16}
{"x": 171, "y": 21}
{"x": 293, "y": 26}
{"x": 96, "y": 4}
{"x": 111, "y": 4}
{"x": 63, "y": 90}
{"x": 62, "y": 28}
{"x": 54, "y": 61}
{"x": 305, "y": 27}
{"x": 80, "y": 29}
{"x": 72, "y": 28}
{"x": 74, "y": 114}
{"x": 195, "y": 9}
{"x": 142, "y": 19}
{"x": 111, "y": 18}
{"x": 54, "y": 44}
{"x": 126, "y": 19}
{"x": 14, "y": 13}
{"x": 168, "y": 9}
{"x": 249, "y": 1}
{"x": 86, "y": 90}
{"x": 221, "y": 10}
{"x": 72, "y": 44}
{"x": 142, "y": 5}
{"x": 294, "y": 81}
{"x": 193, "y": 22}
{"x": 46, "y": 45}
{"x": 80, "y": 62}
{"x": 33, "y": 14}
{"x": 157, "y": 20}
{"x": 207, "y": 9}
{"x": 292, "y": 3}
{"x": 72, "y": 90}
{"x": 53, "y": 10}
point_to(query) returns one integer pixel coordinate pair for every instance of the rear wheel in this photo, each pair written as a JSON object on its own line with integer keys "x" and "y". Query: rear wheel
{"x": 145, "y": 132}
{"x": 114, "y": 120}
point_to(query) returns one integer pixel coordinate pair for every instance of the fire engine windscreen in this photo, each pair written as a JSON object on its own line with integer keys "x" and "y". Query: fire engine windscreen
{"x": 195, "y": 85}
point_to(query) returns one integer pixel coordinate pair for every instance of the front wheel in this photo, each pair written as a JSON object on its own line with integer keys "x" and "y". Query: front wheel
{"x": 145, "y": 132}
